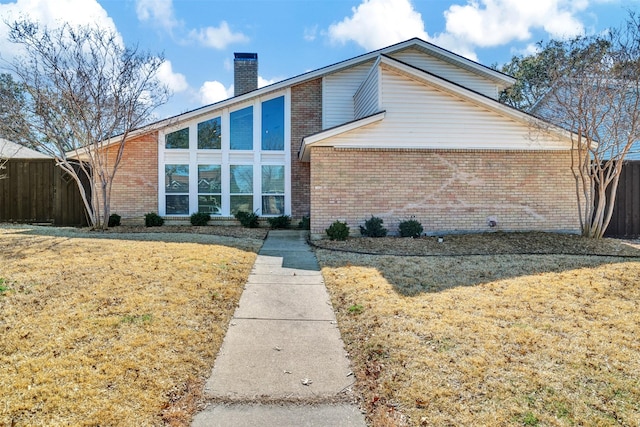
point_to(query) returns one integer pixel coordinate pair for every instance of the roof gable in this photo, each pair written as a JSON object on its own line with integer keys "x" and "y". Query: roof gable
{"x": 437, "y": 101}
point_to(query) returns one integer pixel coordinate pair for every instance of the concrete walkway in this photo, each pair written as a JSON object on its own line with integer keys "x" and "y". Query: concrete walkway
{"x": 282, "y": 362}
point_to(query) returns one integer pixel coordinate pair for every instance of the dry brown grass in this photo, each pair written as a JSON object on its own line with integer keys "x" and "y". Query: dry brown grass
{"x": 112, "y": 331}
{"x": 502, "y": 340}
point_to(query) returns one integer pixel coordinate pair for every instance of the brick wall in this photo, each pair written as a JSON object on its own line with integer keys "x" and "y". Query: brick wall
{"x": 306, "y": 119}
{"x": 444, "y": 190}
{"x": 135, "y": 187}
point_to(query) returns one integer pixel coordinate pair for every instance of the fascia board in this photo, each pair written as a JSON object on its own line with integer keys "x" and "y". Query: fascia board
{"x": 317, "y": 138}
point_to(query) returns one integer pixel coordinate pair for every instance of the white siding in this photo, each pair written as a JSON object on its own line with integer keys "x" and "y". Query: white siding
{"x": 419, "y": 116}
{"x": 366, "y": 98}
{"x": 448, "y": 71}
{"x": 338, "y": 90}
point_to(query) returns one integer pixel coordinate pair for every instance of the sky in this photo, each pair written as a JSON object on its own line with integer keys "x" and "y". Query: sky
{"x": 199, "y": 37}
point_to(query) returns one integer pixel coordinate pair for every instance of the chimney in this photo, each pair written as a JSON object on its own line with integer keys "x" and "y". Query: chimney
{"x": 245, "y": 73}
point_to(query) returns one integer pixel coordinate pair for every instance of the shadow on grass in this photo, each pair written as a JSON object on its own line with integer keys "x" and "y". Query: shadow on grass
{"x": 414, "y": 275}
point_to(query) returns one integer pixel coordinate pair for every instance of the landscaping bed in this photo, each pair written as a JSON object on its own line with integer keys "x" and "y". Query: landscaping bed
{"x": 485, "y": 244}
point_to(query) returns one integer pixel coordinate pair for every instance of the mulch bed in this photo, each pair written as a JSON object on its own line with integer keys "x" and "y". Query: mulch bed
{"x": 485, "y": 244}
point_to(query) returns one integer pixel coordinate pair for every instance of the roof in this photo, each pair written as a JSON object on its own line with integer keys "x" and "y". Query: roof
{"x": 435, "y": 81}
{"x": 500, "y": 78}
{"x": 11, "y": 150}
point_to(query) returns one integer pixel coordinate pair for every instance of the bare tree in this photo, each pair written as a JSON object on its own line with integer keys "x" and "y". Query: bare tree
{"x": 3, "y": 160}
{"x": 85, "y": 91}
{"x": 12, "y": 100}
{"x": 595, "y": 93}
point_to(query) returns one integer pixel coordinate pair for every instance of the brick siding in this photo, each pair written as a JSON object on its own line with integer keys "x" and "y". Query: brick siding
{"x": 306, "y": 119}
{"x": 447, "y": 191}
{"x": 135, "y": 187}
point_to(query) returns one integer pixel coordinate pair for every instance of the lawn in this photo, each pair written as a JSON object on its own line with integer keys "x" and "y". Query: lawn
{"x": 113, "y": 329}
{"x": 490, "y": 340}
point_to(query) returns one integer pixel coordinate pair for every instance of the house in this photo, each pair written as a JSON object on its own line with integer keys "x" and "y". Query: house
{"x": 410, "y": 131}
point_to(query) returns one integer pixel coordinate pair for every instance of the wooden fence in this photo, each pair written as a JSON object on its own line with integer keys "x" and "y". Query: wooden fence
{"x": 625, "y": 221}
{"x": 38, "y": 191}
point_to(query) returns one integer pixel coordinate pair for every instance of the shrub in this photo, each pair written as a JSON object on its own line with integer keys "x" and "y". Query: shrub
{"x": 200, "y": 218}
{"x": 338, "y": 231}
{"x": 305, "y": 223}
{"x": 153, "y": 220}
{"x": 114, "y": 220}
{"x": 410, "y": 228}
{"x": 373, "y": 227}
{"x": 247, "y": 219}
{"x": 282, "y": 221}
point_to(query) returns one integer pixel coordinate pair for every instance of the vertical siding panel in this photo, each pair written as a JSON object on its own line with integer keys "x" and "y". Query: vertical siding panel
{"x": 366, "y": 99}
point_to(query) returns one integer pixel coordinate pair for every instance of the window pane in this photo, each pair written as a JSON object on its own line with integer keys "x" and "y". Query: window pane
{"x": 241, "y": 179}
{"x": 273, "y": 179}
{"x": 177, "y": 139}
{"x": 209, "y": 179}
{"x": 241, "y": 203}
{"x": 177, "y": 205}
{"x": 272, "y": 205}
{"x": 176, "y": 178}
{"x": 241, "y": 132}
{"x": 273, "y": 124}
{"x": 209, "y": 134}
{"x": 210, "y": 204}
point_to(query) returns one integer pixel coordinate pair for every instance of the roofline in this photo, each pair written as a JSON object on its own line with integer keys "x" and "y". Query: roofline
{"x": 438, "y": 51}
{"x": 473, "y": 95}
{"x": 441, "y": 83}
{"x": 337, "y": 130}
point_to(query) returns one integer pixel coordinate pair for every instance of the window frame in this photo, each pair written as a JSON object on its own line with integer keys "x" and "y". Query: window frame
{"x": 225, "y": 157}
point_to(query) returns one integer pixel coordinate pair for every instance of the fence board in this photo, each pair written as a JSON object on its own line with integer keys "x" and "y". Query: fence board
{"x": 35, "y": 190}
{"x": 625, "y": 221}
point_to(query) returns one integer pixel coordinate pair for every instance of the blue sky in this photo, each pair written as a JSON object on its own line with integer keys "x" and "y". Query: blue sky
{"x": 199, "y": 37}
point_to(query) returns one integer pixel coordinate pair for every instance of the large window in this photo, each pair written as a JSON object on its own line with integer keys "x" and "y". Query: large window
{"x": 177, "y": 139}
{"x": 228, "y": 159}
{"x": 177, "y": 189}
{"x": 241, "y": 188}
{"x": 273, "y": 124}
{"x": 272, "y": 190}
{"x": 209, "y": 189}
{"x": 241, "y": 132}
{"x": 209, "y": 134}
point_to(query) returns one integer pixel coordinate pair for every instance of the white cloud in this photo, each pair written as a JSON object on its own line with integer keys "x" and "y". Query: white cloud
{"x": 454, "y": 44}
{"x": 478, "y": 23}
{"x": 218, "y": 37}
{"x": 310, "y": 33}
{"x": 262, "y": 82}
{"x": 379, "y": 23}
{"x": 214, "y": 91}
{"x": 488, "y": 23}
{"x": 52, "y": 14}
{"x": 159, "y": 12}
{"x": 176, "y": 82}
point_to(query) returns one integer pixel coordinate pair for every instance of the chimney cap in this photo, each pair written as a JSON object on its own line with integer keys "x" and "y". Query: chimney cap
{"x": 246, "y": 56}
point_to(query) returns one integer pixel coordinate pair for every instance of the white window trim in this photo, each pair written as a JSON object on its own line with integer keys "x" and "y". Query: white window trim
{"x": 226, "y": 157}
